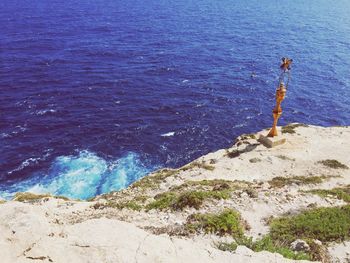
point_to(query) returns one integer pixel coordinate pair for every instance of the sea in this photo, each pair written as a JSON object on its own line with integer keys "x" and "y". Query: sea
{"x": 96, "y": 94}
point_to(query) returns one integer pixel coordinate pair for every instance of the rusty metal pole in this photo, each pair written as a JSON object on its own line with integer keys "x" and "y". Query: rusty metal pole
{"x": 280, "y": 94}
{"x": 277, "y": 111}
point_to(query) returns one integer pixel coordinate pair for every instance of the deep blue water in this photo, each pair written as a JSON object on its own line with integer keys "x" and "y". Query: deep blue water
{"x": 95, "y": 94}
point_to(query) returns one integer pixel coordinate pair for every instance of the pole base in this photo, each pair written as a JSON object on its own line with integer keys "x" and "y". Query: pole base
{"x": 270, "y": 142}
{"x": 273, "y": 132}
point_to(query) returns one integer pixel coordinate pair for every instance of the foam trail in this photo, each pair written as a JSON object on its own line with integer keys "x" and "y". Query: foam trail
{"x": 84, "y": 176}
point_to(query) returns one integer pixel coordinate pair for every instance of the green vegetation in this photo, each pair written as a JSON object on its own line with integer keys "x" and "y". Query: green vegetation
{"x": 30, "y": 197}
{"x": 189, "y": 194}
{"x": 228, "y": 222}
{"x": 279, "y": 181}
{"x": 162, "y": 201}
{"x": 217, "y": 184}
{"x": 290, "y": 128}
{"x": 264, "y": 244}
{"x": 153, "y": 181}
{"x": 333, "y": 164}
{"x": 2, "y": 202}
{"x": 224, "y": 246}
{"x": 132, "y": 205}
{"x": 141, "y": 198}
{"x": 325, "y": 224}
{"x": 267, "y": 244}
{"x": 196, "y": 198}
{"x": 178, "y": 201}
{"x": 340, "y": 193}
{"x": 195, "y": 193}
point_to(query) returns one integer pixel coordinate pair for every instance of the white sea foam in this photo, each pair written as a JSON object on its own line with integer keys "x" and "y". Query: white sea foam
{"x": 168, "y": 134}
{"x": 25, "y": 163}
{"x": 43, "y": 112}
{"x": 5, "y": 135}
{"x": 17, "y": 130}
{"x": 83, "y": 176}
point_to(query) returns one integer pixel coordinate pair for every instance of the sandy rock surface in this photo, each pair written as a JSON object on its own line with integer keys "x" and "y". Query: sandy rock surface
{"x": 36, "y": 233}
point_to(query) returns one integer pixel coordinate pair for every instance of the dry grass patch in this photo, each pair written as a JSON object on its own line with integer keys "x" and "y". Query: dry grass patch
{"x": 280, "y": 181}
{"x": 200, "y": 165}
{"x": 285, "y": 158}
{"x": 131, "y": 205}
{"x": 30, "y": 197}
{"x": 342, "y": 193}
{"x": 153, "y": 180}
{"x": 290, "y": 128}
{"x": 334, "y": 164}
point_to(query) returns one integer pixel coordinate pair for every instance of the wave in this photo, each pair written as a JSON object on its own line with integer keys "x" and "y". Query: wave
{"x": 45, "y": 111}
{"x": 168, "y": 134}
{"x": 83, "y": 176}
{"x": 17, "y": 130}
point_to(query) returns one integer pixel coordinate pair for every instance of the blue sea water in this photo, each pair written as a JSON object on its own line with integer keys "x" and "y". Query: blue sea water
{"x": 96, "y": 94}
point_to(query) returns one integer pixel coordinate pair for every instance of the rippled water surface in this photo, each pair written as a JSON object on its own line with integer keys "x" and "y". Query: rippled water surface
{"x": 95, "y": 94}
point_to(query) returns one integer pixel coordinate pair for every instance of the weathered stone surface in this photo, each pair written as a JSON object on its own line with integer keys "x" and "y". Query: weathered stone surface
{"x": 299, "y": 245}
{"x": 272, "y": 141}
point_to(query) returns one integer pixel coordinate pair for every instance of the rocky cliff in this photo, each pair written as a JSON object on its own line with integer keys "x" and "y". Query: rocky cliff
{"x": 247, "y": 203}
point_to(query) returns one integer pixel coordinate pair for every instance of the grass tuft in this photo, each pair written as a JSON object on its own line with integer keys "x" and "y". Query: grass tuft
{"x": 30, "y": 197}
{"x": 196, "y": 198}
{"x": 162, "y": 201}
{"x": 285, "y": 158}
{"x": 340, "y": 193}
{"x": 218, "y": 184}
{"x": 228, "y": 222}
{"x": 325, "y": 224}
{"x": 201, "y": 165}
{"x": 179, "y": 201}
{"x": 333, "y": 164}
{"x": 280, "y": 181}
{"x": 131, "y": 205}
{"x": 264, "y": 244}
{"x": 290, "y": 128}
{"x": 224, "y": 246}
{"x": 153, "y": 181}
{"x": 195, "y": 193}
